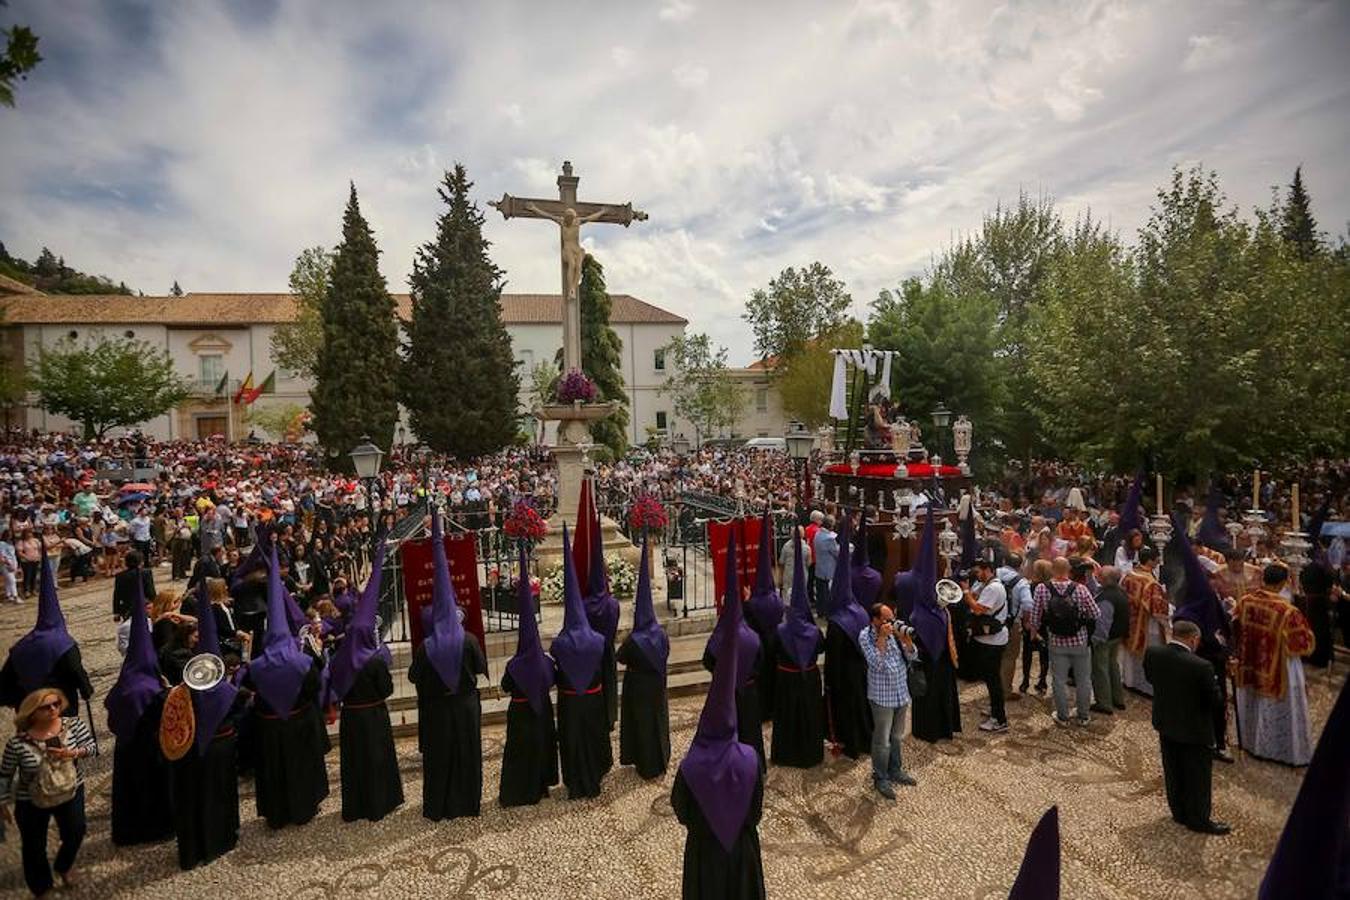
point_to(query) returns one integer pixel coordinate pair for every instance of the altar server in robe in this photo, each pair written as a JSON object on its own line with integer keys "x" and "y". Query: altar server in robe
{"x": 751, "y": 722}
{"x": 644, "y": 719}
{"x": 530, "y": 758}
{"x": 360, "y": 680}
{"x": 1148, "y": 619}
{"x": 937, "y": 712}
{"x": 718, "y": 795}
{"x": 205, "y": 779}
{"x": 849, "y": 714}
{"x": 47, "y": 656}
{"x": 1271, "y": 636}
{"x": 142, "y": 807}
{"x": 764, "y": 612}
{"x": 445, "y": 671}
{"x": 602, "y": 612}
{"x": 291, "y": 738}
{"x": 583, "y": 724}
{"x": 798, "y": 706}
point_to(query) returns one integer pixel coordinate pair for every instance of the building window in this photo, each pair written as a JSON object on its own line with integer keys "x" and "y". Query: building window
{"x": 762, "y": 400}
{"x": 129, "y": 334}
{"x": 659, "y": 359}
{"x": 72, "y": 334}
{"x": 212, "y": 369}
{"x": 660, "y": 420}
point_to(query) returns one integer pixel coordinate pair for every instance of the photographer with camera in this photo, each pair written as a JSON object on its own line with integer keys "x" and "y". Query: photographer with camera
{"x": 987, "y": 600}
{"x": 887, "y": 647}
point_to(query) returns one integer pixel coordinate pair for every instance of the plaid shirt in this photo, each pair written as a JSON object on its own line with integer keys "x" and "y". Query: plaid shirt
{"x": 1086, "y": 605}
{"x": 887, "y": 678}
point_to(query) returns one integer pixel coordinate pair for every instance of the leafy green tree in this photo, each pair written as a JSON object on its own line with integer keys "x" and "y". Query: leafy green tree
{"x": 602, "y": 356}
{"x": 1183, "y": 350}
{"x": 295, "y": 344}
{"x": 804, "y": 378}
{"x": 18, "y": 59}
{"x": 946, "y": 351}
{"x": 105, "y": 384}
{"x": 1298, "y": 226}
{"x": 798, "y": 306}
{"x": 276, "y": 421}
{"x": 354, "y": 390}
{"x": 459, "y": 379}
{"x": 701, "y": 385}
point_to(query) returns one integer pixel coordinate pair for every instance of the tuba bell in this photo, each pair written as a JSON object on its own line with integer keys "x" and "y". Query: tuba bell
{"x": 948, "y": 592}
{"x": 204, "y": 671}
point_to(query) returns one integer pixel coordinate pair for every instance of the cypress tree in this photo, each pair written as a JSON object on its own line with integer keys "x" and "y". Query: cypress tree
{"x": 459, "y": 379}
{"x": 602, "y": 356}
{"x": 355, "y": 392}
{"x": 1299, "y": 227}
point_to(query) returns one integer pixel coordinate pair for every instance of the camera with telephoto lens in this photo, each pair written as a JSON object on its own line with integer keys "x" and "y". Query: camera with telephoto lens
{"x": 905, "y": 630}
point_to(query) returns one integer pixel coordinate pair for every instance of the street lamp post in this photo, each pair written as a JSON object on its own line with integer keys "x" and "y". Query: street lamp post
{"x": 366, "y": 459}
{"x": 800, "y": 441}
{"x": 680, "y": 445}
{"x": 942, "y": 417}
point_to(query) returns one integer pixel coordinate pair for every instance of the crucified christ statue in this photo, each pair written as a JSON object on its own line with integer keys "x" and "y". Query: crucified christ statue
{"x": 569, "y": 214}
{"x": 572, "y": 254}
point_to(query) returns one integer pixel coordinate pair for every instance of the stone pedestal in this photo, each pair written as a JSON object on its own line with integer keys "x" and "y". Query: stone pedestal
{"x": 571, "y": 456}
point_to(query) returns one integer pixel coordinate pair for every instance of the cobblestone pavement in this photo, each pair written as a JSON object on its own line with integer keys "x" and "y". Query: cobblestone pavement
{"x": 960, "y": 834}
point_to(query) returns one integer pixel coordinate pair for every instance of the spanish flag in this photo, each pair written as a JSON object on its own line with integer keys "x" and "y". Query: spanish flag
{"x": 269, "y": 386}
{"x": 244, "y": 389}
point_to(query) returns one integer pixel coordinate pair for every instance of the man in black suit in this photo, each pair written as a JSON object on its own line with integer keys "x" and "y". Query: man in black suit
{"x": 124, "y": 586}
{"x": 208, "y": 566}
{"x": 1185, "y": 695}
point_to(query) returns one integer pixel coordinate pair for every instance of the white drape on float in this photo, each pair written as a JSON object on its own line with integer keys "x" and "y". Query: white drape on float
{"x": 865, "y": 359}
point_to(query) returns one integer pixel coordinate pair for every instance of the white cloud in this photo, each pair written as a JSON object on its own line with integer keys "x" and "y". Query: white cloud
{"x": 676, "y": 11}
{"x": 210, "y": 149}
{"x": 689, "y": 75}
{"x": 1206, "y": 51}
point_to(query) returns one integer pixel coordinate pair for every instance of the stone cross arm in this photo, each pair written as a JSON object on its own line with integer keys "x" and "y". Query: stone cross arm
{"x": 531, "y": 208}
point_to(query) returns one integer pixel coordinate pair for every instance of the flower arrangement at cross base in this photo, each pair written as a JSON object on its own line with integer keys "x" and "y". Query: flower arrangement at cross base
{"x": 524, "y": 523}
{"x": 647, "y": 516}
{"x": 622, "y": 580}
{"x": 575, "y": 387}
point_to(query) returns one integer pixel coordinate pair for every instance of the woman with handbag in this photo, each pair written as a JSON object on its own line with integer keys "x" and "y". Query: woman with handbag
{"x": 40, "y": 772}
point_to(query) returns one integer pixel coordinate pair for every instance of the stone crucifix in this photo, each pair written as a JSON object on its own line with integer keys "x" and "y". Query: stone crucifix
{"x": 569, "y": 215}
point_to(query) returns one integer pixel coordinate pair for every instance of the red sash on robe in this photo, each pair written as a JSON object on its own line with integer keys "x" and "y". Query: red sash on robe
{"x": 1267, "y": 630}
{"x": 1147, "y": 599}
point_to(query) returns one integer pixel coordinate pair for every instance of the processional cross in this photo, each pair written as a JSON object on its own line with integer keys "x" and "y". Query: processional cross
{"x": 569, "y": 215}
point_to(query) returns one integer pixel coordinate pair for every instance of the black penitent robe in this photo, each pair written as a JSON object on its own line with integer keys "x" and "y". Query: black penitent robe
{"x": 291, "y": 777}
{"x": 450, "y": 735}
{"x": 530, "y": 758}
{"x": 710, "y": 872}
{"x": 67, "y": 674}
{"x": 583, "y": 737}
{"x": 609, "y": 673}
{"x": 798, "y": 712}
{"x": 766, "y": 672}
{"x": 749, "y": 721}
{"x": 960, "y": 615}
{"x": 371, "y": 787}
{"x": 644, "y": 721}
{"x": 206, "y": 796}
{"x": 848, "y": 714}
{"x": 937, "y": 714}
{"x": 142, "y": 800}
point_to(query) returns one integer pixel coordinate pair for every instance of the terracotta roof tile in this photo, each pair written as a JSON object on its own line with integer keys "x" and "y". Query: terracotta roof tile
{"x": 10, "y": 286}
{"x": 268, "y": 309}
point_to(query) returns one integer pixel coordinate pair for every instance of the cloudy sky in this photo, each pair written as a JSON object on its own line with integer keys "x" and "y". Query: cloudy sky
{"x": 210, "y": 142}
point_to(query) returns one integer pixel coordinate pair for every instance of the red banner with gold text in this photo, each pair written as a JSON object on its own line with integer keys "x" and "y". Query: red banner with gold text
{"x": 461, "y": 553}
{"x": 747, "y": 553}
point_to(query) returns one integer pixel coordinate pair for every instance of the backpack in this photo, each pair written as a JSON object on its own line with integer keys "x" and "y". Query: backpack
{"x": 56, "y": 780}
{"x": 1062, "y": 616}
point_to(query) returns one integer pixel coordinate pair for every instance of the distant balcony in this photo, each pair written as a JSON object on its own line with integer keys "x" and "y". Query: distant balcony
{"x": 200, "y": 388}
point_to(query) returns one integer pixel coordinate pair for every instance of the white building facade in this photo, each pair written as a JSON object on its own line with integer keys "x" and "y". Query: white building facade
{"x": 217, "y": 340}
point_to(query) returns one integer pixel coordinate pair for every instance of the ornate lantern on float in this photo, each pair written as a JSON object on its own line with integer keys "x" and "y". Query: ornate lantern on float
{"x": 962, "y": 437}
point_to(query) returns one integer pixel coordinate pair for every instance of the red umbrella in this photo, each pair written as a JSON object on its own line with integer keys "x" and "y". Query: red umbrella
{"x": 137, "y": 487}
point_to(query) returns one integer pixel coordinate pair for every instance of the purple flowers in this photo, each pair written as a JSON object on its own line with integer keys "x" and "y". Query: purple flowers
{"x": 575, "y": 386}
